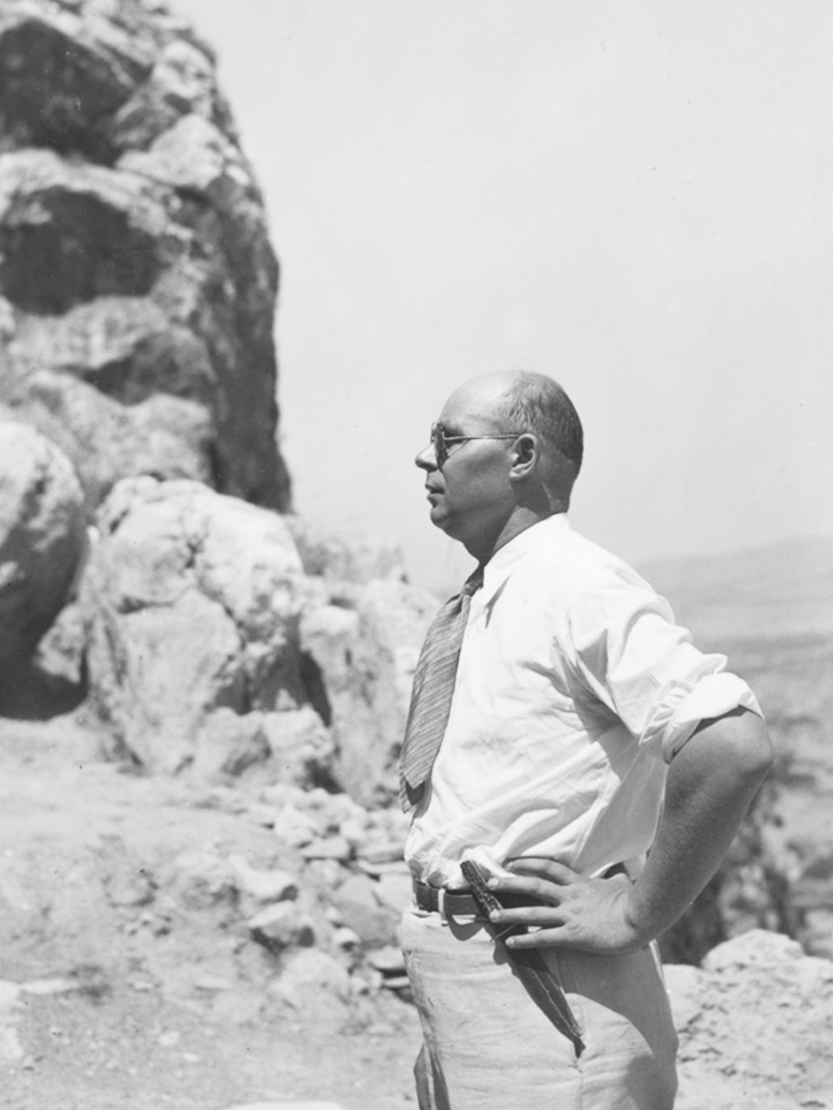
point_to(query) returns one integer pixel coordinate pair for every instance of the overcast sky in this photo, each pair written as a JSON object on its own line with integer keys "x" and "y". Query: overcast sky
{"x": 633, "y": 197}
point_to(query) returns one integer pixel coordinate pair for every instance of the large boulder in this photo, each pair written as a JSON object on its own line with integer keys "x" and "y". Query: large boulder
{"x": 364, "y": 647}
{"x": 346, "y": 558}
{"x": 192, "y": 602}
{"x": 137, "y": 283}
{"x": 755, "y": 1023}
{"x": 209, "y": 647}
{"x": 42, "y": 536}
{"x": 164, "y": 436}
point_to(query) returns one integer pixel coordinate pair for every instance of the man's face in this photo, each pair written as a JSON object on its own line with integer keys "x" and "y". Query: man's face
{"x": 470, "y": 495}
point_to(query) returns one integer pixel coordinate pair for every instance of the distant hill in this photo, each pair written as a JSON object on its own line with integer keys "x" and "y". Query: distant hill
{"x": 785, "y": 590}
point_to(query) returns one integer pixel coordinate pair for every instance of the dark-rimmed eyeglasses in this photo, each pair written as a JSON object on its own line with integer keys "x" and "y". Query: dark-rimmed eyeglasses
{"x": 440, "y": 441}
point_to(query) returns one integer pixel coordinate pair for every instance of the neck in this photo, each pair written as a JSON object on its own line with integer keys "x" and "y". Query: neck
{"x": 520, "y": 520}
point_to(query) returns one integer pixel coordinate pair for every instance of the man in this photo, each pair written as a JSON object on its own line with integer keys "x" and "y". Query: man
{"x": 573, "y": 743}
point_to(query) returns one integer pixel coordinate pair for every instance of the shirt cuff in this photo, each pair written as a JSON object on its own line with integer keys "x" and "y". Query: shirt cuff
{"x": 713, "y": 696}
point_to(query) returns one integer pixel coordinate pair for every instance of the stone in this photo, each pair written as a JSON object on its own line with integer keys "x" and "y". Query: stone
{"x": 42, "y": 536}
{"x": 757, "y": 948}
{"x": 330, "y": 847}
{"x": 325, "y": 874}
{"x": 399, "y": 983}
{"x": 293, "y": 826}
{"x": 134, "y": 255}
{"x": 263, "y": 886}
{"x": 192, "y": 601}
{"x": 333, "y": 809}
{"x": 61, "y": 651}
{"x": 312, "y": 966}
{"x": 301, "y": 749}
{"x": 754, "y": 1023}
{"x": 168, "y": 437}
{"x": 354, "y": 832}
{"x": 307, "y": 970}
{"x": 281, "y": 925}
{"x": 356, "y": 558}
{"x": 395, "y": 889}
{"x": 360, "y": 909}
{"x": 43, "y": 987}
{"x": 388, "y": 960}
{"x": 228, "y": 744}
{"x": 378, "y": 853}
{"x": 346, "y": 938}
{"x": 366, "y": 655}
{"x": 200, "y": 880}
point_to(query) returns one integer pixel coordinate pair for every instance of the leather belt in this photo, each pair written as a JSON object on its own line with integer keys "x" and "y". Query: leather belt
{"x": 460, "y": 903}
{"x": 451, "y": 903}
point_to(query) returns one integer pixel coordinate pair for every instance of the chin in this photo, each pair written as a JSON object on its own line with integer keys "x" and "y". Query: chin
{"x": 439, "y": 519}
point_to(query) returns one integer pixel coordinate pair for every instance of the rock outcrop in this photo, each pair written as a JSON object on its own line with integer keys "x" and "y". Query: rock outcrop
{"x": 42, "y": 536}
{"x": 755, "y": 1025}
{"x": 137, "y": 283}
{"x": 208, "y": 646}
{"x": 192, "y": 601}
{"x": 137, "y": 294}
{"x": 359, "y": 559}
{"x": 366, "y": 653}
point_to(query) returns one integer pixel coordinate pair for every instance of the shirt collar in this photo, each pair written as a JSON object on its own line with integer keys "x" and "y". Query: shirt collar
{"x": 506, "y": 558}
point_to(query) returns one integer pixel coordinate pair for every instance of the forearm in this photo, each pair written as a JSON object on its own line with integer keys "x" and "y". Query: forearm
{"x": 711, "y": 783}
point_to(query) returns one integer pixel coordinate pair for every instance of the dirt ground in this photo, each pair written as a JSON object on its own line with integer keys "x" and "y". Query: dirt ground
{"x": 104, "y": 1004}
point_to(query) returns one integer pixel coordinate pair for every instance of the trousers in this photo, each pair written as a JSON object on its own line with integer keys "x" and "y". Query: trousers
{"x": 487, "y": 1045}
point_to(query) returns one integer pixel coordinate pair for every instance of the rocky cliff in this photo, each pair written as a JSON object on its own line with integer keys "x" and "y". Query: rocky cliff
{"x": 210, "y": 630}
{"x": 137, "y": 282}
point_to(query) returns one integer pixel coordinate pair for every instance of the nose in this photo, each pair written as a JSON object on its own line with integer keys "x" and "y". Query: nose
{"x": 426, "y": 459}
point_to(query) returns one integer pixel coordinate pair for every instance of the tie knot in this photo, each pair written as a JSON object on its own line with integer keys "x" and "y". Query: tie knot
{"x": 473, "y": 582}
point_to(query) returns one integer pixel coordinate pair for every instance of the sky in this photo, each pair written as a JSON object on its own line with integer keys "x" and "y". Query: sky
{"x": 631, "y": 196}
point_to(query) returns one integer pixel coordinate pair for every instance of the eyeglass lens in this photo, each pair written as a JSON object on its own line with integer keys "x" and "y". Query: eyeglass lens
{"x": 438, "y": 443}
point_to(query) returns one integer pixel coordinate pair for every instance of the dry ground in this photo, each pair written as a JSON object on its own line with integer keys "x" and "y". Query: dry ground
{"x": 157, "y": 1013}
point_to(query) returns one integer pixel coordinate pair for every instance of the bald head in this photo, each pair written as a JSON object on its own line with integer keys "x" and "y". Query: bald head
{"x": 523, "y": 401}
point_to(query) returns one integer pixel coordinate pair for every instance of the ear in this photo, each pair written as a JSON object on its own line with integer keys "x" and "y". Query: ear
{"x": 525, "y": 455}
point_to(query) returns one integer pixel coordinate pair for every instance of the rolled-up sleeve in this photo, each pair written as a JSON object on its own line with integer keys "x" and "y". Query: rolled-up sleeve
{"x": 629, "y": 654}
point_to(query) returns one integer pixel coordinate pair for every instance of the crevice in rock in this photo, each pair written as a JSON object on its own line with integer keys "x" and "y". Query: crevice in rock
{"x": 29, "y": 694}
{"x": 55, "y": 92}
{"x": 60, "y": 248}
{"x": 313, "y": 683}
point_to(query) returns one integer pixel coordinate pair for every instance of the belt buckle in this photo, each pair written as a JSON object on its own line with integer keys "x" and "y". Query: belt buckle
{"x": 427, "y": 896}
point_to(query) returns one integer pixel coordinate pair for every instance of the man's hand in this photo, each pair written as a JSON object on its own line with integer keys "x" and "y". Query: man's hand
{"x": 710, "y": 783}
{"x": 577, "y": 912}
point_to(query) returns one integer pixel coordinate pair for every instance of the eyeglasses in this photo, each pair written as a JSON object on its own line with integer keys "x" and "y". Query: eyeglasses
{"x": 440, "y": 441}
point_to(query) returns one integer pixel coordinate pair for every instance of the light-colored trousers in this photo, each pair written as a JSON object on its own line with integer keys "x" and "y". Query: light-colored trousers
{"x": 487, "y": 1045}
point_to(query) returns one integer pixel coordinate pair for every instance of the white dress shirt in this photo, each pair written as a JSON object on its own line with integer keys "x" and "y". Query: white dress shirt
{"x": 573, "y": 692}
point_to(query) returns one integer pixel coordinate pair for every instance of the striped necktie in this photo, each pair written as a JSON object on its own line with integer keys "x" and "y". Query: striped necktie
{"x": 434, "y": 678}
